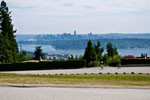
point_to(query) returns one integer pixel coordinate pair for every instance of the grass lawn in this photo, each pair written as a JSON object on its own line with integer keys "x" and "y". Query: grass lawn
{"x": 96, "y": 79}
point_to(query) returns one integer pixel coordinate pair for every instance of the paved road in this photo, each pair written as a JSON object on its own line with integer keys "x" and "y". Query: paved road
{"x": 87, "y": 70}
{"x": 12, "y": 93}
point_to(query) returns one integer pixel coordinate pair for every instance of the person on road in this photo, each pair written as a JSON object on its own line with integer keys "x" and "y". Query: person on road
{"x": 101, "y": 65}
{"x": 119, "y": 65}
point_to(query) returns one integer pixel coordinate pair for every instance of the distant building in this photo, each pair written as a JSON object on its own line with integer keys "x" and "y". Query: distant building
{"x": 75, "y": 33}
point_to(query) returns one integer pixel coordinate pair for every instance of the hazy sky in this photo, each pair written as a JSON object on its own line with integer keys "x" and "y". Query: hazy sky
{"x": 97, "y": 16}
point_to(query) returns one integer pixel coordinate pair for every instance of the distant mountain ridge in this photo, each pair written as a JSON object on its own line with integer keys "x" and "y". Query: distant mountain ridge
{"x": 69, "y": 41}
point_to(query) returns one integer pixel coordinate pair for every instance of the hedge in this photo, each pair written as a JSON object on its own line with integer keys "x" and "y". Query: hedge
{"x": 44, "y": 65}
{"x": 64, "y": 64}
{"x": 135, "y": 61}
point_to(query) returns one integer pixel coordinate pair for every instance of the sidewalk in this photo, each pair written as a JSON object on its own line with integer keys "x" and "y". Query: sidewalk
{"x": 70, "y": 86}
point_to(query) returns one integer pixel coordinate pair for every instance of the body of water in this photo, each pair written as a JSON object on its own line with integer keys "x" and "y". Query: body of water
{"x": 50, "y": 50}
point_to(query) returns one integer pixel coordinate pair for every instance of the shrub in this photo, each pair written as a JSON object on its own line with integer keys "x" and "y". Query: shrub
{"x": 93, "y": 64}
{"x": 112, "y": 61}
{"x": 115, "y": 60}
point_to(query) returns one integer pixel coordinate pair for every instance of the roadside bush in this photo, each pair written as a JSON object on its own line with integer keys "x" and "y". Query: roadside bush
{"x": 93, "y": 64}
{"x": 115, "y": 60}
{"x": 112, "y": 61}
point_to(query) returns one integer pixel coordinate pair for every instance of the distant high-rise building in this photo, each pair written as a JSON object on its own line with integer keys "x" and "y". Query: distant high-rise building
{"x": 75, "y": 33}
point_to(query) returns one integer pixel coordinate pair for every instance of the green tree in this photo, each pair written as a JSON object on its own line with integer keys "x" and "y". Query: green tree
{"x": 8, "y": 45}
{"x": 111, "y": 58}
{"x": 38, "y": 53}
{"x": 115, "y": 50}
{"x": 111, "y": 50}
{"x": 90, "y": 54}
{"x": 116, "y": 59}
{"x": 24, "y": 57}
{"x": 98, "y": 51}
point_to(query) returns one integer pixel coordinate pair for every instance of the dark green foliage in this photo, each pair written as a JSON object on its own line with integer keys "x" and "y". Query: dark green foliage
{"x": 38, "y": 53}
{"x": 115, "y": 60}
{"x": 105, "y": 58}
{"x": 8, "y": 44}
{"x": 24, "y": 57}
{"x": 64, "y": 64}
{"x": 93, "y": 55}
{"x": 81, "y": 44}
{"x": 90, "y": 54}
{"x": 111, "y": 58}
{"x": 135, "y": 61}
{"x": 115, "y": 50}
{"x": 98, "y": 51}
{"x": 93, "y": 64}
{"x": 23, "y": 52}
{"x": 111, "y": 50}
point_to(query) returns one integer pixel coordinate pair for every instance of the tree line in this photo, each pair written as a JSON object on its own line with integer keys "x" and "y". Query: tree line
{"x": 94, "y": 54}
{"x": 81, "y": 44}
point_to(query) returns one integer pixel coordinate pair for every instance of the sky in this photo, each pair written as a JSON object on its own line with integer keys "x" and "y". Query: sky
{"x": 84, "y": 16}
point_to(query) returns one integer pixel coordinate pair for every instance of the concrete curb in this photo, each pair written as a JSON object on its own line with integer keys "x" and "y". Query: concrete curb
{"x": 140, "y": 73}
{"x": 70, "y": 86}
{"x": 117, "y": 73}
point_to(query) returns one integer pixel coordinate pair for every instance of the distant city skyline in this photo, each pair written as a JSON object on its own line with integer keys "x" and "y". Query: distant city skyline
{"x": 84, "y": 16}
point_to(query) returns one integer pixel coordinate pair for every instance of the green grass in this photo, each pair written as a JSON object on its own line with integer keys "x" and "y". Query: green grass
{"x": 96, "y": 79}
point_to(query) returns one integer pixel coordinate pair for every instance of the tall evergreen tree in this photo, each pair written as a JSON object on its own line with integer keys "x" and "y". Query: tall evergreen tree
{"x": 89, "y": 54}
{"x": 38, "y": 53}
{"x": 115, "y": 50}
{"x": 98, "y": 50}
{"x": 111, "y": 50}
{"x": 8, "y": 44}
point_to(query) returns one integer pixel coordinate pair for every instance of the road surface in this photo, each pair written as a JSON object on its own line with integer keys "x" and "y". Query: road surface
{"x": 47, "y": 93}
{"x": 87, "y": 70}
